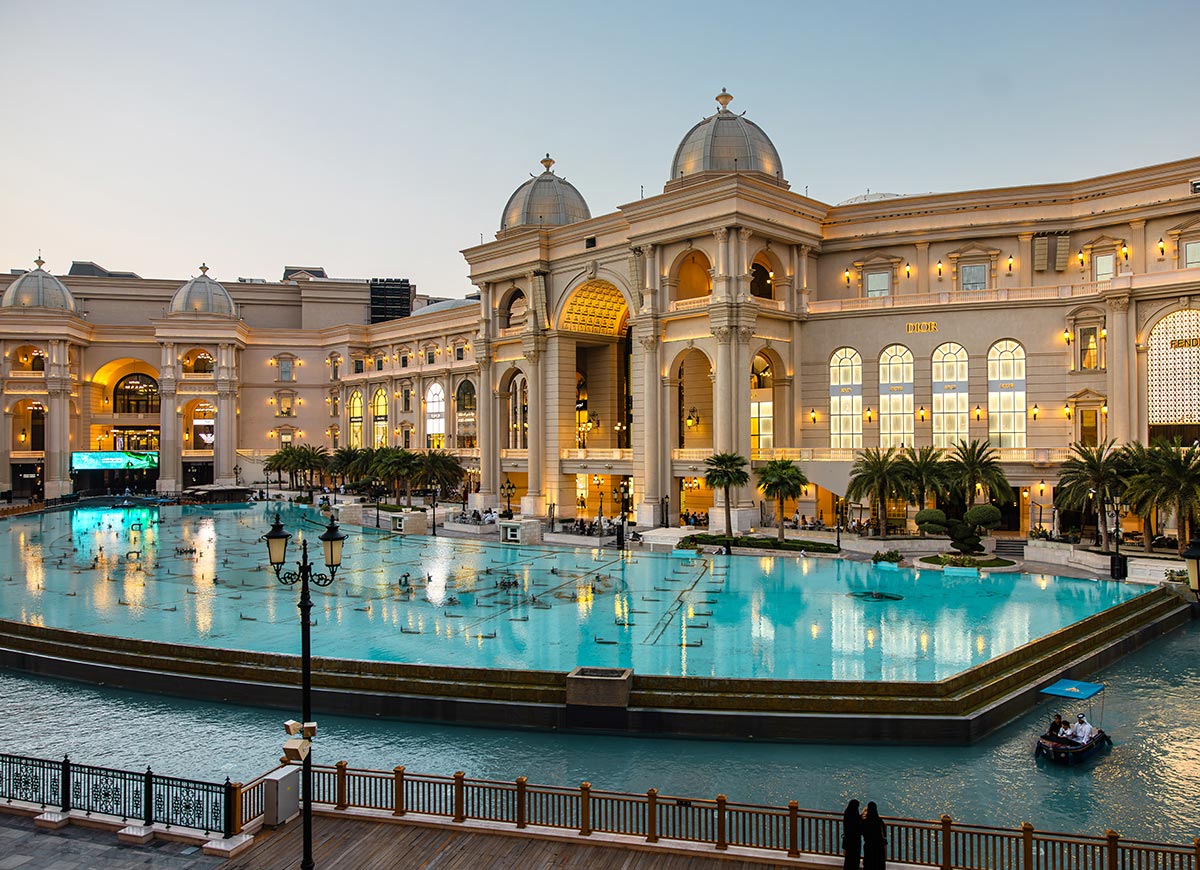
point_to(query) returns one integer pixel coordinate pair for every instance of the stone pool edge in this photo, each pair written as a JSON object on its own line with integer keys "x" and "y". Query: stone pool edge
{"x": 958, "y": 710}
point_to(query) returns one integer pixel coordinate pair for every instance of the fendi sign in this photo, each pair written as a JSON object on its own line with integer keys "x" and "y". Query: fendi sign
{"x": 923, "y": 326}
{"x": 1177, "y": 343}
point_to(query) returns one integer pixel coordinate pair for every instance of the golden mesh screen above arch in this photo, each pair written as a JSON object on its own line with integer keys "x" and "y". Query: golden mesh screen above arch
{"x": 596, "y": 307}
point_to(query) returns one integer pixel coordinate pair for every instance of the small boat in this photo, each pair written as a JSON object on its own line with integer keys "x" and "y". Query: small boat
{"x": 1063, "y": 750}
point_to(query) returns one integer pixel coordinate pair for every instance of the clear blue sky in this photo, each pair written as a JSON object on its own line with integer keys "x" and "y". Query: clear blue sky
{"x": 378, "y": 139}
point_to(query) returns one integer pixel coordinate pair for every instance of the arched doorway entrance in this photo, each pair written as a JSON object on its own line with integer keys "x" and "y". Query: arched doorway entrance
{"x": 1173, "y": 377}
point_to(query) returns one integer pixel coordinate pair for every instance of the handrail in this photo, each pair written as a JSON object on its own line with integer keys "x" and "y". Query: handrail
{"x": 959, "y": 297}
{"x": 719, "y": 822}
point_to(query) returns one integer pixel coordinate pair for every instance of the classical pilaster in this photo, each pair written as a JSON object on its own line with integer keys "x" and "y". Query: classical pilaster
{"x": 1119, "y": 348}
{"x": 6, "y": 481}
{"x": 489, "y": 448}
{"x": 721, "y": 272}
{"x": 723, "y": 400}
{"x": 170, "y": 447}
{"x": 744, "y": 273}
{"x": 533, "y": 503}
{"x": 1137, "y": 246}
{"x": 225, "y": 448}
{"x": 1025, "y": 259}
{"x": 652, "y": 441}
{"x": 58, "y": 440}
{"x": 922, "y": 267}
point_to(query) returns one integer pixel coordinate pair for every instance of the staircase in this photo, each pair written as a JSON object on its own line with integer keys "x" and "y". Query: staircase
{"x": 1010, "y": 548}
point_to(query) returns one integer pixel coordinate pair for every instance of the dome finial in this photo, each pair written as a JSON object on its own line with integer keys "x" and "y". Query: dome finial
{"x": 724, "y": 98}
{"x": 39, "y": 262}
{"x": 203, "y": 268}
{"x": 547, "y": 161}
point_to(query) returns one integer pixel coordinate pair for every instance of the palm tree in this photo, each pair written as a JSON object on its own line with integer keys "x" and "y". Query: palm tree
{"x": 342, "y": 461}
{"x": 724, "y": 471}
{"x": 1141, "y": 494}
{"x": 923, "y": 471}
{"x": 975, "y": 467}
{"x": 1091, "y": 472}
{"x": 439, "y": 471}
{"x": 877, "y": 474}
{"x": 1172, "y": 480}
{"x": 781, "y": 479}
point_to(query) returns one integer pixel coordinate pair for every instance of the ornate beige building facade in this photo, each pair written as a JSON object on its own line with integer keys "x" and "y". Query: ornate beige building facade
{"x": 614, "y": 353}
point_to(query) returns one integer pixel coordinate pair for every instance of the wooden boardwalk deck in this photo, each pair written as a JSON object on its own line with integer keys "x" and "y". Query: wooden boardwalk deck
{"x": 354, "y": 844}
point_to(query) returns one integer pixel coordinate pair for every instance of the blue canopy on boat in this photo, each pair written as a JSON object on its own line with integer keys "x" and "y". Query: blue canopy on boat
{"x": 1073, "y": 689}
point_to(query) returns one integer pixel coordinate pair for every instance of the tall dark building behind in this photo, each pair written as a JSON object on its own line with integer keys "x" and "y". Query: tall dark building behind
{"x": 391, "y": 298}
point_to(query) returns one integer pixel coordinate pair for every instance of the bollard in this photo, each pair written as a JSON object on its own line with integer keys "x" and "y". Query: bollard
{"x": 946, "y": 843}
{"x": 460, "y": 787}
{"x": 1112, "y": 847}
{"x": 722, "y": 841}
{"x": 793, "y": 829}
{"x": 652, "y": 815}
{"x": 66, "y": 783}
{"x": 341, "y": 802}
{"x": 521, "y": 781}
{"x": 585, "y": 809}
{"x": 235, "y": 796}
{"x": 398, "y": 790}
{"x": 148, "y": 797}
{"x": 1027, "y": 845}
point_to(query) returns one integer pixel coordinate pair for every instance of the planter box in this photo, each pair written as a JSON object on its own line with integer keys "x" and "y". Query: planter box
{"x": 886, "y": 566}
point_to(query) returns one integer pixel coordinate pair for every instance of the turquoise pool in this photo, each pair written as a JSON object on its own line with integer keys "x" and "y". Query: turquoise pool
{"x": 198, "y": 576}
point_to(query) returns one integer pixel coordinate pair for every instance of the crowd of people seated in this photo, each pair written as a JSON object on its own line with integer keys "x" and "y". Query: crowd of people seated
{"x": 694, "y": 519}
{"x": 478, "y": 518}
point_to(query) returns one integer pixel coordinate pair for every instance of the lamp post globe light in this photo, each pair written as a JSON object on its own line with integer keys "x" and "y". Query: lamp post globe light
{"x": 508, "y": 489}
{"x": 299, "y": 747}
{"x": 598, "y": 481}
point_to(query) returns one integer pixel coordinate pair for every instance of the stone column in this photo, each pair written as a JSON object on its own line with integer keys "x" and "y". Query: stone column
{"x": 744, "y": 272}
{"x": 6, "y": 480}
{"x": 225, "y": 447}
{"x": 56, "y": 470}
{"x": 170, "y": 447}
{"x": 1120, "y": 422}
{"x": 1137, "y": 246}
{"x": 723, "y": 400}
{"x": 533, "y": 503}
{"x": 489, "y": 449}
{"x": 721, "y": 278}
{"x": 1025, "y": 260}
{"x": 650, "y": 431}
{"x": 922, "y": 267}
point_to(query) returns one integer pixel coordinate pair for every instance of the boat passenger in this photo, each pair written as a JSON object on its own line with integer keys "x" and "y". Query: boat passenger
{"x": 1083, "y": 729}
{"x": 1056, "y": 726}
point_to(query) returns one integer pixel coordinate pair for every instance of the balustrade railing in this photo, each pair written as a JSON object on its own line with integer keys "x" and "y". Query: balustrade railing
{"x": 958, "y": 297}
{"x": 149, "y": 798}
{"x": 720, "y": 823}
{"x": 596, "y": 453}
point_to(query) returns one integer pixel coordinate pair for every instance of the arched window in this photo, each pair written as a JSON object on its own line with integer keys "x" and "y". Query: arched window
{"x": 1173, "y": 377}
{"x": 951, "y": 395}
{"x": 355, "y": 408}
{"x": 1006, "y": 394}
{"x": 435, "y": 417}
{"x": 516, "y": 312}
{"x": 518, "y": 413}
{"x": 197, "y": 361}
{"x": 845, "y": 398}
{"x": 762, "y": 281}
{"x": 135, "y": 394}
{"x": 896, "y": 396}
{"x": 762, "y": 404}
{"x": 465, "y": 431}
{"x": 693, "y": 279}
{"x": 379, "y": 418}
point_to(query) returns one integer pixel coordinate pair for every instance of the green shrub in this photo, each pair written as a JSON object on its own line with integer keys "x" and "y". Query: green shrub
{"x": 931, "y": 521}
{"x": 887, "y": 556}
{"x": 1175, "y": 575}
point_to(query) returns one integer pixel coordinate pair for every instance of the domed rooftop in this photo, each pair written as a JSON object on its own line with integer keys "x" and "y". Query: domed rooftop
{"x": 544, "y": 200}
{"x": 726, "y": 142}
{"x": 202, "y": 295}
{"x": 38, "y": 289}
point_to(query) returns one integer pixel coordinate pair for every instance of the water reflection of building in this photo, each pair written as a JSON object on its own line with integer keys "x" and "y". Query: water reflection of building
{"x": 727, "y": 312}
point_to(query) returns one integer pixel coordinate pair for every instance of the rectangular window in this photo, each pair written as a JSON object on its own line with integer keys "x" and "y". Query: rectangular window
{"x": 286, "y": 406}
{"x": 359, "y": 366}
{"x": 335, "y": 406}
{"x": 430, "y": 356}
{"x": 1089, "y": 428}
{"x": 973, "y": 276}
{"x": 285, "y": 370}
{"x": 1106, "y": 266}
{"x": 403, "y": 360}
{"x": 335, "y": 370}
{"x": 879, "y": 283}
{"x": 379, "y": 363}
{"x": 1089, "y": 348}
{"x": 285, "y": 439}
{"x": 406, "y": 400}
{"x": 460, "y": 353}
{"x": 1191, "y": 255}
{"x": 407, "y": 438}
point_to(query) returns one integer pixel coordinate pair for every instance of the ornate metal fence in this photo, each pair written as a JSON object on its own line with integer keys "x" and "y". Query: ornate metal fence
{"x": 654, "y": 818}
{"x": 147, "y": 798}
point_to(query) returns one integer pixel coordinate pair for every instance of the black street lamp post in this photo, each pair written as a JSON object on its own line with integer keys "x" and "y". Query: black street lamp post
{"x": 620, "y": 493}
{"x": 508, "y": 489}
{"x": 331, "y": 541}
{"x": 598, "y": 481}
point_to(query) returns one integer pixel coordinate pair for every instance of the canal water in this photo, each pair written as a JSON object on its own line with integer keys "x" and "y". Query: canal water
{"x": 1146, "y": 787}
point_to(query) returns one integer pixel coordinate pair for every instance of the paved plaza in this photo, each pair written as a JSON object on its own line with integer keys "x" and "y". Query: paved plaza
{"x": 24, "y": 847}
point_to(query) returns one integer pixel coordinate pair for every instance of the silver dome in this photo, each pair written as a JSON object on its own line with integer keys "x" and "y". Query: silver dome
{"x": 202, "y": 295}
{"x": 544, "y": 200}
{"x": 726, "y": 142}
{"x": 38, "y": 289}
